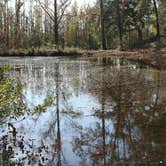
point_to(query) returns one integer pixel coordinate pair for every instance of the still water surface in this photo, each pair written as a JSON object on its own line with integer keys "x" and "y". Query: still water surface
{"x": 106, "y": 111}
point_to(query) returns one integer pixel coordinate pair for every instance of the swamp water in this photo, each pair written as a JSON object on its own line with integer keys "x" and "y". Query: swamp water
{"x": 104, "y": 111}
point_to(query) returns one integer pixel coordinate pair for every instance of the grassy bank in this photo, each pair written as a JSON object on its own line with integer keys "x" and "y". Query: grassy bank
{"x": 39, "y": 52}
{"x": 154, "y": 57}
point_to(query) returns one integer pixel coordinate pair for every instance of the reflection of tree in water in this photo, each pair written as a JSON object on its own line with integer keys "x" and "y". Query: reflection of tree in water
{"x": 47, "y": 148}
{"x": 127, "y": 129}
{"x": 131, "y": 103}
{"x": 17, "y": 149}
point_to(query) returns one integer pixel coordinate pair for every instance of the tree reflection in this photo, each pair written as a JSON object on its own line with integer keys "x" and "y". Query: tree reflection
{"x": 123, "y": 125}
{"x": 127, "y": 104}
{"x": 58, "y": 117}
{"x": 16, "y": 147}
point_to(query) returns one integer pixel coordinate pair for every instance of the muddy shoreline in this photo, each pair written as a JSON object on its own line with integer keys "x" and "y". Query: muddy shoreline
{"x": 153, "y": 57}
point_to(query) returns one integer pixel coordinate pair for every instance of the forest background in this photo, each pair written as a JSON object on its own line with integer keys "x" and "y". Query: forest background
{"x": 102, "y": 24}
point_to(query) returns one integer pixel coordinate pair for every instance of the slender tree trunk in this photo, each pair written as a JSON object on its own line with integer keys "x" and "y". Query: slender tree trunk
{"x": 46, "y": 23}
{"x": 119, "y": 24}
{"x": 7, "y": 30}
{"x": 5, "y": 24}
{"x": 148, "y": 27}
{"x": 1, "y": 26}
{"x": 102, "y": 26}
{"x": 157, "y": 20}
{"x": 139, "y": 35}
{"x": 18, "y": 5}
{"x": 56, "y": 36}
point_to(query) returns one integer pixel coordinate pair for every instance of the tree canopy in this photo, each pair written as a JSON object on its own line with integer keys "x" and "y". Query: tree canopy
{"x": 106, "y": 24}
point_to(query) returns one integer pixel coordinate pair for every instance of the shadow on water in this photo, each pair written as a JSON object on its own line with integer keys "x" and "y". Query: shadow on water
{"x": 104, "y": 111}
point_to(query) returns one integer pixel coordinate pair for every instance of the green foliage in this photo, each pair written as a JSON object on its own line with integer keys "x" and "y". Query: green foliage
{"x": 138, "y": 24}
{"x": 3, "y": 70}
{"x": 12, "y": 100}
{"x": 43, "y": 108}
{"x": 11, "y": 97}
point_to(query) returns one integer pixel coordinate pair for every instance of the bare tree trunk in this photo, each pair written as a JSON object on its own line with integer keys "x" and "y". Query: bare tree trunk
{"x": 18, "y": 5}
{"x": 5, "y": 24}
{"x": 119, "y": 24}
{"x": 56, "y": 36}
{"x": 102, "y": 26}
{"x": 157, "y": 20}
{"x": 46, "y": 22}
{"x": 139, "y": 35}
{"x": 7, "y": 30}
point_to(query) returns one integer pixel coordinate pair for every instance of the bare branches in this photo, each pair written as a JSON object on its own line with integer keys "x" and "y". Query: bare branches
{"x": 62, "y": 7}
{"x": 48, "y": 11}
